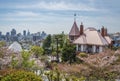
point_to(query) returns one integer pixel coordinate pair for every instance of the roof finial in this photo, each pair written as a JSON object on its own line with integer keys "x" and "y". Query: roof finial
{"x": 74, "y": 16}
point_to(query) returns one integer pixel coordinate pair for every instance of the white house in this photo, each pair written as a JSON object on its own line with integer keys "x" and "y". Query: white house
{"x": 89, "y": 40}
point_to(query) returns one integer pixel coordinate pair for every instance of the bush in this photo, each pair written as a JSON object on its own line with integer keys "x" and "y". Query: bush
{"x": 19, "y": 75}
{"x": 83, "y": 55}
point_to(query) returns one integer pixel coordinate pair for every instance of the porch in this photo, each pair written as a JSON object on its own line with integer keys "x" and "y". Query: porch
{"x": 89, "y": 48}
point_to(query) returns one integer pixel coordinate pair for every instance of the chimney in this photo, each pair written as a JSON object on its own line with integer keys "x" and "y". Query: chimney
{"x": 103, "y": 31}
{"x": 81, "y": 28}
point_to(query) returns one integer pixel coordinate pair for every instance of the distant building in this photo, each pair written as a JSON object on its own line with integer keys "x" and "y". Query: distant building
{"x": 43, "y": 35}
{"x": 7, "y": 36}
{"x": 13, "y": 32}
{"x": 89, "y": 40}
{"x": 0, "y": 33}
{"x": 24, "y": 32}
{"x": 28, "y": 33}
{"x": 116, "y": 39}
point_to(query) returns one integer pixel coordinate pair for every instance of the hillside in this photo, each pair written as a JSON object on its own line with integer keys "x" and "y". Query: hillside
{"x": 102, "y": 65}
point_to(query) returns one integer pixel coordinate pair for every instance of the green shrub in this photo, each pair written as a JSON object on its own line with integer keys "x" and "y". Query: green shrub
{"x": 19, "y": 75}
{"x": 83, "y": 55}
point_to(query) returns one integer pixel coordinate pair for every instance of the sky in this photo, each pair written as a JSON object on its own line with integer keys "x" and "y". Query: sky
{"x": 55, "y": 16}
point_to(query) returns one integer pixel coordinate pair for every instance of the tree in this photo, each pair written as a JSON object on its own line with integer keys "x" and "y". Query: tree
{"x": 37, "y": 51}
{"x": 47, "y": 44}
{"x": 68, "y": 53}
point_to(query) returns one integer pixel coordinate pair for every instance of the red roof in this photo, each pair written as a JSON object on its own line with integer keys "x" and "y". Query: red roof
{"x": 74, "y": 30}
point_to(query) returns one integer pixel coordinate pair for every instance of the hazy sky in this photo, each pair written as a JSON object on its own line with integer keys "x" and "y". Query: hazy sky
{"x": 55, "y": 16}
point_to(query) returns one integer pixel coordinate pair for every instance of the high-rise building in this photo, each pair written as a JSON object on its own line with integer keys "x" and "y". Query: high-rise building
{"x": 28, "y": 33}
{"x": 13, "y": 32}
{"x": 43, "y": 35}
{"x": 7, "y": 34}
{"x": 24, "y": 32}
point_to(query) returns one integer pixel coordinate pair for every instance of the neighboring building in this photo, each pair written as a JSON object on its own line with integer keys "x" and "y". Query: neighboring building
{"x": 89, "y": 40}
{"x": 116, "y": 39}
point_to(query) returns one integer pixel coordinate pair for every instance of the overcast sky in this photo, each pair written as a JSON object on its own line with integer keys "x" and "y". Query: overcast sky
{"x": 55, "y": 16}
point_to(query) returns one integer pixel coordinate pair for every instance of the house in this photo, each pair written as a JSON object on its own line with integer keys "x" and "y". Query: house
{"x": 89, "y": 40}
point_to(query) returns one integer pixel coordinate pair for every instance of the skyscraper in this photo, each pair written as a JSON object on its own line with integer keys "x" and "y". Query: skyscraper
{"x": 24, "y": 32}
{"x": 13, "y": 32}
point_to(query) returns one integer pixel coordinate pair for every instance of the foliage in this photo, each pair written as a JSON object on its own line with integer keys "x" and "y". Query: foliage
{"x": 47, "y": 44}
{"x": 37, "y": 51}
{"x": 19, "y": 75}
{"x": 61, "y": 39}
{"x": 101, "y": 73}
{"x": 26, "y": 63}
{"x": 14, "y": 62}
{"x": 2, "y": 43}
{"x": 83, "y": 55}
{"x": 2, "y": 50}
{"x": 57, "y": 75}
{"x": 68, "y": 53}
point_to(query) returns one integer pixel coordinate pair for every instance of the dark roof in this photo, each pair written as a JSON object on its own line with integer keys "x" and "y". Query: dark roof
{"x": 74, "y": 30}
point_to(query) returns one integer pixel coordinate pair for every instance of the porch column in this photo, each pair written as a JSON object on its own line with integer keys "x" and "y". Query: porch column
{"x": 94, "y": 48}
{"x": 82, "y": 48}
{"x": 100, "y": 49}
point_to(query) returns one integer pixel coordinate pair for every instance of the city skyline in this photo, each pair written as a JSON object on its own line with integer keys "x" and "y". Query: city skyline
{"x": 55, "y": 16}
{"x": 24, "y": 32}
